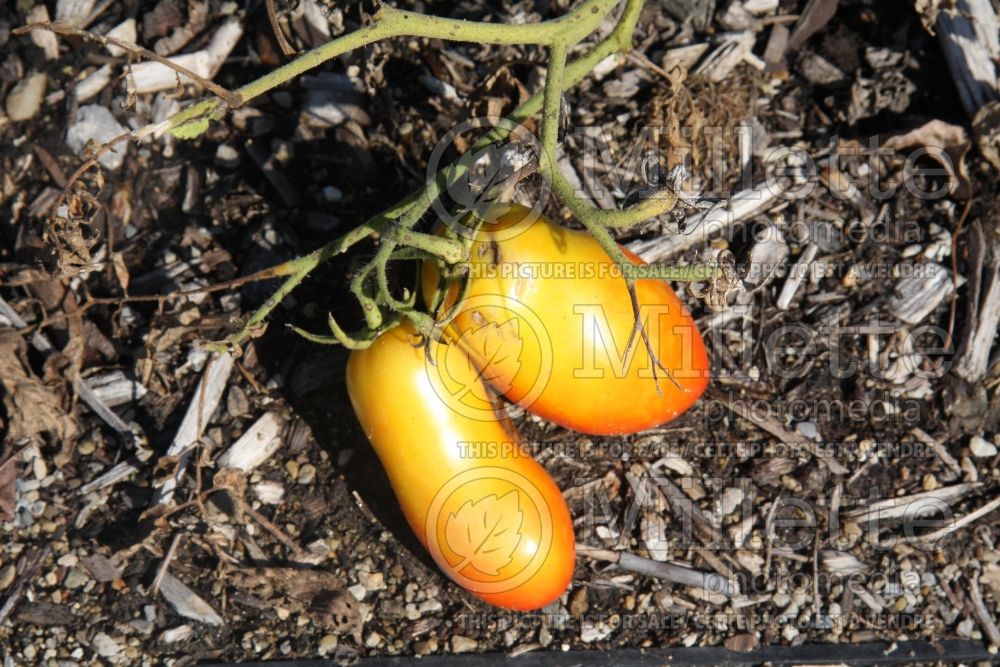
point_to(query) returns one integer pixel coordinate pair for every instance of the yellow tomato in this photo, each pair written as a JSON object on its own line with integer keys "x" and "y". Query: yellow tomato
{"x": 547, "y": 319}
{"x": 490, "y": 516}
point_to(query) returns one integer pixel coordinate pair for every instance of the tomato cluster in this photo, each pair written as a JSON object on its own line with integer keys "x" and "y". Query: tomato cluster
{"x": 564, "y": 348}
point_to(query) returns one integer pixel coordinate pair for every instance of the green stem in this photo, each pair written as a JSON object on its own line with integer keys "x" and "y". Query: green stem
{"x": 595, "y": 220}
{"x": 551, "y": 106}
{"x": 389, "y": 22}
{"x": 449, "y": 250}
{"x": 647, "y": 209}
{"x": 417, "y": 202}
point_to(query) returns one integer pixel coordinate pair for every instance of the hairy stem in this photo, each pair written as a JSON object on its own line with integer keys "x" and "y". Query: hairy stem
{"x": 416, "y": 203}
{"x": 389, "y": 22}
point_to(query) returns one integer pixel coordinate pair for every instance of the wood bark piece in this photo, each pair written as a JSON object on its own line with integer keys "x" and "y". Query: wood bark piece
{"x": 700, "y": 228}
{"x": 152, "y": 77}
{"x": 968, "y": 33}
{"x": 203, "y": 403}
{"x": 917, "y": 295}
{"x": 709, "y": 581}
{"x": 914, "y": 505}
{"x": 186, "y": 601}
{"x": 256, "y": 445}
{"x": 796, "y": 276}
{"x": 983, "y": 308}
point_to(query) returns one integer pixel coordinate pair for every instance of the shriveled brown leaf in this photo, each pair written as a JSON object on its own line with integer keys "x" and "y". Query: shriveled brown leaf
{"x": 8, "y": 474}
{"x": 946, "y": 144}
{"x": 32, "y": 407}
{"x": 319, "y": 593}
{"x": 121, "y": 271}
{"x": 234, "y": 482}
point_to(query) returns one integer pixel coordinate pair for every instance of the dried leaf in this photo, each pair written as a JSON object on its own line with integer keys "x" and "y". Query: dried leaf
{"x": 338, "y": 611}
{"x": 319, "y": 593}
{"x": 121, "y": 271}
{"x": 234, "y": 483}
{"x": 31, "y": 406}
{"x": 8, "y": 493}
{"x": 947, "y": 145}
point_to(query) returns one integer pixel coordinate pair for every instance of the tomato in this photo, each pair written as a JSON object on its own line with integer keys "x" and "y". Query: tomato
{"x": 490, "y": 516}
{"x": 547, "y": 319}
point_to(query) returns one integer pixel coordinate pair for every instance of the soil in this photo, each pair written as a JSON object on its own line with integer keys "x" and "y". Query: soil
{"x": 309, "y": 554}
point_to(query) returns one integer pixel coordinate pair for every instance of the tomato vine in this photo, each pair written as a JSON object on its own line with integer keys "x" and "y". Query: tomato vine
{"x": 393, "y": 228}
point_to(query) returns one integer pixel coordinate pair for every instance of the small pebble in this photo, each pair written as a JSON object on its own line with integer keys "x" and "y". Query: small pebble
{"x": 965, "y": 628}
{"x": 930, "y": 482}
{"x": 429, "y": 606}
{"x": 460, "y": 644}
{"x": 292, "y": 467}
{"x": 327, "y": 644}
{"x": 39, "y": 468}
{"x": 94, "y": 122}
{"x": 372, "y": 581}
{"x": 807, "y": 430}
{"x": 731, "y": 499}
{"x": 269, "y": 492}
{"x": 180, "y": 633}
{"x": 981, "y": 447}
{"x": 68, "y": 560}
{"x": 307, "y": 474}
{"x": 227, "y": 156}
{"x": 425, "y": 647}
{"x": 106, "y": 646}
{"x": 76, "y": 578}
{"x": 25, "y": 99}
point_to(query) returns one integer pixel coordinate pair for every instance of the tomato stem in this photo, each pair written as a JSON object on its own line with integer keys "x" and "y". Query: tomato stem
{"x": 389, "y": 22}
{"x": 559, "y": 34}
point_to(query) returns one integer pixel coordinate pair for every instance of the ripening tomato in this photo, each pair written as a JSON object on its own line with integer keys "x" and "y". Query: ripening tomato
{"x": 547, "y": 319}
{"x": 490, "y": 515}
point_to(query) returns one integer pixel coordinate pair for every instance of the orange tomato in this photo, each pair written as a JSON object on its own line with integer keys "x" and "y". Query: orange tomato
{"x": 547, "y": 318}
{"x": 490, "y": 516}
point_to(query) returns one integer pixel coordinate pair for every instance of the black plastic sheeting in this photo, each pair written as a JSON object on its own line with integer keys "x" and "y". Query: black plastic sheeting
{"x": 873, "y": 653}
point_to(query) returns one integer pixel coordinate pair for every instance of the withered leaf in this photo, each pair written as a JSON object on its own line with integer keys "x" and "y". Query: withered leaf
{"x": 319, "y": 593}
{"x": 8, "y": 473}
{"x": 31, "y": 406}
